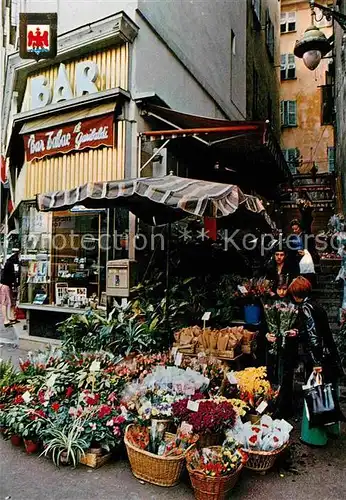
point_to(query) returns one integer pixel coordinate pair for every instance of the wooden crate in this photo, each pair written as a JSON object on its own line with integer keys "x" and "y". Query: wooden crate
{"x": 95, "y": 461}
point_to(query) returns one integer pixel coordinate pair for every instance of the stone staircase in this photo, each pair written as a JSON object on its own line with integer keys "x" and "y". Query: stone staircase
{"x": 328, "y": 292}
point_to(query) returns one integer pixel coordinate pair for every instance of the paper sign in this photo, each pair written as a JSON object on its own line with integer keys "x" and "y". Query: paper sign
{"x": 27, "y": 397}
{"x": 242, "y": 289}
{"x": 95, "y": 366}
{"x": 193, "y": 405}
{"x": 260, "y": 408}
{"x": 186, "y": 428}
{"x": 231, "y": 378}
{"x": 206, "y": 316}
{"x": 51, "y": 381}
{"x": 178, "y": 359}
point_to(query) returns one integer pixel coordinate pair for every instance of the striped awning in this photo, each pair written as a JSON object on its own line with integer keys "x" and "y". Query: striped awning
{"x": 158, "y": 200}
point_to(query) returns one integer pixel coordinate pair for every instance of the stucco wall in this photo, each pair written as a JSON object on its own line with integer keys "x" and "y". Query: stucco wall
{"x": 310, "y": 137}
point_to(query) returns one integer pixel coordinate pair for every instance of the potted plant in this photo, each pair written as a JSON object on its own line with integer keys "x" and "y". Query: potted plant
{"x": 15, "y": 422}
{"x": 252, "y": 291}
{"x": 33, "y": 430}
{"x": 65, "y": 445}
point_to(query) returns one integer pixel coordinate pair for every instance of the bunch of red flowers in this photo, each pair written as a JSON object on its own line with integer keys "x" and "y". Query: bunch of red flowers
{"x": 211, "y": 417}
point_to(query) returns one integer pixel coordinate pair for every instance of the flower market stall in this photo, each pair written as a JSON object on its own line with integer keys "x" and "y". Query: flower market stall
{"x": 167, "y": 411}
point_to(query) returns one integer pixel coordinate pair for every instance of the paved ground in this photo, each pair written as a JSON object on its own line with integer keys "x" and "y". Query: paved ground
{"x": 311, "y": 474}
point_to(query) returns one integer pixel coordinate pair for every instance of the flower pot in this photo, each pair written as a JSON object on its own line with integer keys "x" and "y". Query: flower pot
{"x": 95, "y": 450}
{"x": 31, "y": 446}
{"x": 16, "y": 440}
{"x": 210, "y": 439}
{"x": 64, "y": 458}
{"x": 254, "y": 418}
{"x": 252, "y": 314}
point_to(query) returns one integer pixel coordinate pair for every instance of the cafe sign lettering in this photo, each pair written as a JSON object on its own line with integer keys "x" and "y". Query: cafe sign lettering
{"x": 91, "y": 133}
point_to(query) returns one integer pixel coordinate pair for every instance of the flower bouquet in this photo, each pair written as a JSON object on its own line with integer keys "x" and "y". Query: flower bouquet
{"x": 254, "y": 388}
{"x": 255, "y": 288}
{"x": 208, "y": 418}
{"x": 280, "y": 318}
{"x": 263, "y": 442}
{"x": 214, "y": 471}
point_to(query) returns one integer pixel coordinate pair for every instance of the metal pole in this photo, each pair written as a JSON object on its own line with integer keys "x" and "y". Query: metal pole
{"x": 168, "y": 248}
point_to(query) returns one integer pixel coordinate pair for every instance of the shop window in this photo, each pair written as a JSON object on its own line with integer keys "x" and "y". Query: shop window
{"x": 288, "y": 113}
{"x": 327, "y": 105}
{"x": 270, "y": 36}
{"x": 331, "y": 159}
{"x": 292, "y": 157}
{"x": 288, "y": 22}
{"x": 256, "y": 7}
{"x": 288, "y": 67}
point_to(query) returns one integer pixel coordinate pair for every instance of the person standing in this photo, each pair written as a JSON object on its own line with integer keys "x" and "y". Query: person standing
{"x": 317, "y": 348}
{"x": 279, "y": 268}
{"x": 7, "y": 283}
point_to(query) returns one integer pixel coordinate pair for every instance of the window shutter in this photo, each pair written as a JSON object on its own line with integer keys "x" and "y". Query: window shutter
{"x": 292, "y": 113}
{"x": 291, "y": 66}
{"x": 282, "y": 104}
{"x": 256, "y": 5}
{"x": 283, "y": 66}
{"x": 331, "y": 159}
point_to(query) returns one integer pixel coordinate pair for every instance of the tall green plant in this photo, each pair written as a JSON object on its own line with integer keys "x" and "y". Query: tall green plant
{"x": 64, "y": 442}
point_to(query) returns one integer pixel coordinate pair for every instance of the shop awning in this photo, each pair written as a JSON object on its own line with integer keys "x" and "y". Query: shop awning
{"x": 158, "y": 200}
{"x": 64, "y": 118}
{"x": 244, "y": 142}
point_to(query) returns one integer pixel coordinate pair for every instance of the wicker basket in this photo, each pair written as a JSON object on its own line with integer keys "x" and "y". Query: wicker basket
{"x": 213, "y": 488}
{"x": 162, "y": 471}
{"x": 262, "y": 461}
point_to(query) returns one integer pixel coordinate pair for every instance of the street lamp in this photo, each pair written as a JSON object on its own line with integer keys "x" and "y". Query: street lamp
{"x": 314, "y": 44}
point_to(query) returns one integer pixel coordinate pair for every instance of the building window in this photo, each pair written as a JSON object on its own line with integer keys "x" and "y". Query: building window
{"x": 331, "y": 159}
{"x": 288, "y": 22}
{"x": 327, "y": 105}
{"x": 256, "y": 7}
{"x": 288, "y": 113}
{"x": 288, "y": 66}
{"x": 270, "y": 42}
{"x": 292, "y": 156}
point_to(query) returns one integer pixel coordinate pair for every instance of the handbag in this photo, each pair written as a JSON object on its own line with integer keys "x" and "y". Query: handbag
{"x": 321, "y": 402}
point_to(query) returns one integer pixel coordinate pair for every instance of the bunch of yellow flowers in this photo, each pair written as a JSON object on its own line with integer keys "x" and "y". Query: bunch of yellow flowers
{"x": 253, "y": 384}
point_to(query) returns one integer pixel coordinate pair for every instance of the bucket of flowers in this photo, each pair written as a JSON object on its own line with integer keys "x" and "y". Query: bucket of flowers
{"x": 215, "y": 470}
{"x": 209, "y": 418}
{"x": 255, "y": 390}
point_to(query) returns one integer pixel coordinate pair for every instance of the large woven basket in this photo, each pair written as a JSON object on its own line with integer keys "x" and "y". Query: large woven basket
{"x": 213, "y": 488}
{"x": 262, "y": 461}
{"x": 162, "y": 471}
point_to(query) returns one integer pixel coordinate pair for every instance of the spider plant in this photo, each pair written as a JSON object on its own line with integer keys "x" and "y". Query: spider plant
{"x": 65, "y": 444}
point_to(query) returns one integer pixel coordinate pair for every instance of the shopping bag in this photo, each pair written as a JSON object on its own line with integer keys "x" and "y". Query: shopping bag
{"x": 321, "y": 402}
{"x": 306, "y": 264}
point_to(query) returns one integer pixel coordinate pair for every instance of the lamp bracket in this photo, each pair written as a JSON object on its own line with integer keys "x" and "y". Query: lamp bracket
{"x": 330, "y": 13}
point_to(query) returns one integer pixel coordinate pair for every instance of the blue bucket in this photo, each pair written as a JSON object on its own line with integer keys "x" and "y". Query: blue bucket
{"x": 252, "y": 314}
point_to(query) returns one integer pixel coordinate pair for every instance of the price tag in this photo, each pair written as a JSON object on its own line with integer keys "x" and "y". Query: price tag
{"x": 206, "y": 316}
{"x": 242, "y": 289}
{"x": 193, "y": 405}
{"x": 27, "y": 397}
{"x": 95, "y": 366}
{"x": 186, "y": 428}
{"x": 231, "y": 378}
{"x": 260, "y": 408}
{"x": 178, "y": 359}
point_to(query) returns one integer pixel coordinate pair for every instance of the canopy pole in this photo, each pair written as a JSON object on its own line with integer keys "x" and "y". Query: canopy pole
{"x": 168, "y": 256}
